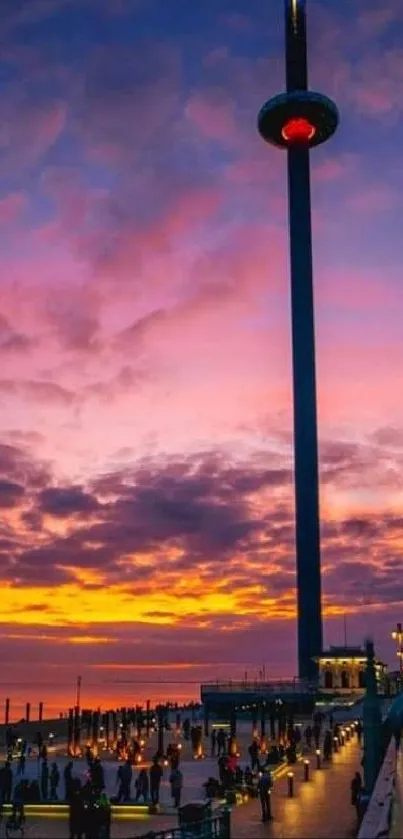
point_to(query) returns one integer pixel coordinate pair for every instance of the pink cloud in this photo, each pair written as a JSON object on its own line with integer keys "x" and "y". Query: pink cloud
{"x": 28, "y": 131}
{"x": 372, "y": 22}
{"x": 11, "y": 207}
{"x": 355, "y": 289}
{"x": 373, "y": 199}
{"x": 50, "y": 125}
{"x": 376, "y": 85}
{"x": 238, "y": 22}
{"x": 214, "y": 120}
{"x": 334, "y": 168}
{"x": 120, "y": 111}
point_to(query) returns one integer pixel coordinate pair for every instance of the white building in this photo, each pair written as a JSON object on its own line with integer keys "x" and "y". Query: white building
{"x": 342, "y": 670}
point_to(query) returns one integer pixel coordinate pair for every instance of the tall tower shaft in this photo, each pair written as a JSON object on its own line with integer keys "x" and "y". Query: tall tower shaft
{"x": 296, "y": 121}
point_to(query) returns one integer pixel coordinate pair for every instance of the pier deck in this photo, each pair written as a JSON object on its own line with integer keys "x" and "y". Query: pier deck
{"x": 320, "y": 808}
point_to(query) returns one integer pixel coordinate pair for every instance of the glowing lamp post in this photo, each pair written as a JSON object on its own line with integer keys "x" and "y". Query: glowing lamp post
{"x": 306, "y": 770}
{"x": 317, "y": 758}
{"x": 297, "y": 121}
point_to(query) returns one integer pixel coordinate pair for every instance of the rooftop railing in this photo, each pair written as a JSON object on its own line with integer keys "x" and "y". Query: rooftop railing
{"x": 244, "y": 686}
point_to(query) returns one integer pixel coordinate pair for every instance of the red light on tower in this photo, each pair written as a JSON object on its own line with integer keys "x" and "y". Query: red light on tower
{"x": 298, "y": 130}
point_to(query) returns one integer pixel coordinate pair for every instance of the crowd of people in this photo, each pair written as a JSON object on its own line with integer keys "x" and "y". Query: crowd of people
{"x": 256, "y": 779}
{"x": 90, "y": 807}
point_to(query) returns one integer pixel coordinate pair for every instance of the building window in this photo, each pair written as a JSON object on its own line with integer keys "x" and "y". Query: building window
{"x": 328, "y": 679}
{"x": 345, "y": 680}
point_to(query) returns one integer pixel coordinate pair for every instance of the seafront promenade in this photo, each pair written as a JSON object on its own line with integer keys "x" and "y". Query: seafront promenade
{"x": 320, "y": 807}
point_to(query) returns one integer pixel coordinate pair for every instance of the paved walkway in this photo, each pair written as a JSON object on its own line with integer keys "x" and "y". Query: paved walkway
{"x": 320, "y": 809}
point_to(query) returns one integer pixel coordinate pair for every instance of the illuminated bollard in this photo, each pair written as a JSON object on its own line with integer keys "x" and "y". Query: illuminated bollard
{"x": 318, "y": 758}
{"x": 306, "y": 770}
{"x": 342, "y": 737}
{"x": 290, "y": 781}
{"x": 348, "y": 732}
{"x": 335, "y": 744}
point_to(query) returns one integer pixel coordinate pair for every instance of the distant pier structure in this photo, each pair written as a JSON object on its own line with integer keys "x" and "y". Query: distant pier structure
{"x": 264, "y": 702}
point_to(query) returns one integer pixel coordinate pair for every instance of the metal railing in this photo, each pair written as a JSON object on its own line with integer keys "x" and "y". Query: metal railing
{"x": 218, "y": 826}
{"x": 288, "y": 686}
{"x": 377, "y": 819}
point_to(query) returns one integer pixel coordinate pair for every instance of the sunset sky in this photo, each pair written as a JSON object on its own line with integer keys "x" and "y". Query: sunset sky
{"x": 147, "y": 527}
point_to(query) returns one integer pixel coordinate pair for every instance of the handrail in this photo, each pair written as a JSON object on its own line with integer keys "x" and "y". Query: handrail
{"x": 287, "y": 686}
{"x": 217, "y": 826}
{"x": 376, "y": 821}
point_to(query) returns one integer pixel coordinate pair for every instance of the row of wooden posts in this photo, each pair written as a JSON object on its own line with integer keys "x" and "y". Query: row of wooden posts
{"x": 7, "y": 712}
{"x": 281, "y": 717}
{"x": 113, "y": 726}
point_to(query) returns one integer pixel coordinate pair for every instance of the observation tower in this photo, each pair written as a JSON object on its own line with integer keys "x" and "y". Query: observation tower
{"x": 296, "y": 121}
